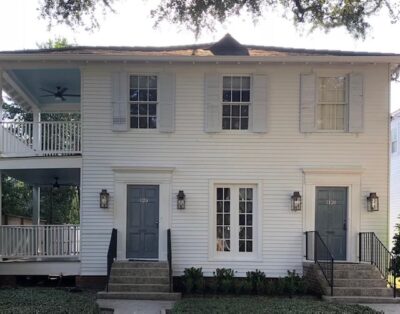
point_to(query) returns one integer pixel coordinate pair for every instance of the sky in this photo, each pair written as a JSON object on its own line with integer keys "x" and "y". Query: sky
{"x": 131, "y": 25}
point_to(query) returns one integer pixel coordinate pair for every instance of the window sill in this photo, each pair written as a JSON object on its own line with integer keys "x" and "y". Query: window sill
{"x": 252, "y": 258}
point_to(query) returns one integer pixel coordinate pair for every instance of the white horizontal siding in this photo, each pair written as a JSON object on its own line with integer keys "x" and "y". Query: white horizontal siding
{"x": 276, "y": 158}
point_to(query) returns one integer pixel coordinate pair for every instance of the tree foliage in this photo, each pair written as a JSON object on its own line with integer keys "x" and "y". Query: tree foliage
{"x": 203, "y": 14}
{"x": 56, "y": 43}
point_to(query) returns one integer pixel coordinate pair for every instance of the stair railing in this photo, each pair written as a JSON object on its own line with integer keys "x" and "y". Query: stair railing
{"x": 111, "y": 254}
{"x": 373, "y": 251}
{"x": 169, "y": 257}
{"x": 317, "y": 250}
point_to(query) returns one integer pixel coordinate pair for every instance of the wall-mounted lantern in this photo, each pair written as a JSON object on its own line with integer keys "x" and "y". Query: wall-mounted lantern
{"x": 180, "y": 198}
{"x": 372, "y": 202}
{"x": 104, "y": 198}
{"x": 296, "y": 201}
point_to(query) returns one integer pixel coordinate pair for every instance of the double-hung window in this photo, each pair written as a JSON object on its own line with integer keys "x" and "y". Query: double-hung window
{"x": 235, "y": 102}
{"x": 394, "y": 140}
{"x": 235, "y": 220}
{"x": 332, "y": 104}
{"x": 143, "y": 101}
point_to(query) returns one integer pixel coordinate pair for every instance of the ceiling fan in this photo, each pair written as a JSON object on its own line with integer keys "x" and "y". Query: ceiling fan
{"x": 59, "y": 94}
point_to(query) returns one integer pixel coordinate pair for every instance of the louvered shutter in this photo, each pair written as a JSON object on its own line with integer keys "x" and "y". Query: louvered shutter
{"x": 259, "y": 103}
{"x": 166, "y": 102}
{"x": 356, "y": 103}
{"x": 119, "y": 96}
{"x": 212, "y": 100}
{"x": 307, "y": 102}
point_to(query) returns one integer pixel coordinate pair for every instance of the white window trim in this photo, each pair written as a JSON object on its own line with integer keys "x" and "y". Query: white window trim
{"x": 256, "y": 255}
{"x": 140, "y": 130}
{"x": 332, "y": 74}
{"x": 396, "y": 128}
{"x": 250, "y": 122}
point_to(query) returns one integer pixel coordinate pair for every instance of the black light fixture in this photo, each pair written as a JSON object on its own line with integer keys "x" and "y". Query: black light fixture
{"x": 56, "y": 185}
{"x": 372, "y": 202}
{"x": 180, "y": 197}
{"x": 296, "y": 201}
{"x": 104, "y": 198}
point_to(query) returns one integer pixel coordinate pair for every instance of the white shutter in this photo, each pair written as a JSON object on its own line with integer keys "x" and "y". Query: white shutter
{"x": 166, "y": 102}
{"x": 259, "y": 103}
{"x": 356, "y": 103}
{"x": 119, "y": 91}
{"x": 212, "y": 101}
{"x": 307, "y": 102}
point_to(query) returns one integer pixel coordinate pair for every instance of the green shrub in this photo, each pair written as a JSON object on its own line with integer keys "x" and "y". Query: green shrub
{"x": 279, "y": 286}
{"x": 193, "y": 280}
{"x": 224, "y": 279}
{"x": 294, "y": 284}
{"x": 257, "y": 280}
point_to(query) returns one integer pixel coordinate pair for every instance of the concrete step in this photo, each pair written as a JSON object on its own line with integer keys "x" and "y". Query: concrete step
{"x": 373, "y": 283}
{"x": 139, "y": 280}
{"x": 139, "y": 295}
{"x": 364, "y": 292}
{"x": 117, "y": 287}
{"x": 140, "y": 272}
{"x": 129, "y": 264}
{"x": 357, "y": 274}
{"x": 353, "y": 266}
{"x": 362, "y": 299}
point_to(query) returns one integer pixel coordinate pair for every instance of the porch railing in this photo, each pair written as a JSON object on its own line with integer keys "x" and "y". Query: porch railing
{"x": 40, "y": 138}
{"x": 372, "y": 250}
{"x": 317, "y": 250}
{"x": 39, "y": 241}
{"x": 112, "y": 253}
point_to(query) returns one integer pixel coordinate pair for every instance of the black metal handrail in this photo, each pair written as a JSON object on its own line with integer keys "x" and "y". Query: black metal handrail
{"x": 112, "y": 253}
{"x": 169, "y": 257}
{"x": 373, "y": 251}
{"x": 317, "y": 250}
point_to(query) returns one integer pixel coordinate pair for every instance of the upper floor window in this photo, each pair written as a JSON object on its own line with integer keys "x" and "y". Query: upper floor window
{"x": 235, "y": 102}
{"x": 332, "y": 103}
{"x": 394, "y": 140}
{"x": 143, "y": 101}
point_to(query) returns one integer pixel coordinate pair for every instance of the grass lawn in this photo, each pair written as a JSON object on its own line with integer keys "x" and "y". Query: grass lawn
{"x": 271, "y": 305}
{"x": 46, "y": 300}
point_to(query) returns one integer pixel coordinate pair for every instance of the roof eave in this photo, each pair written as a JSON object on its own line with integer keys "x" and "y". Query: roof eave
{"x": 198, "y": 59}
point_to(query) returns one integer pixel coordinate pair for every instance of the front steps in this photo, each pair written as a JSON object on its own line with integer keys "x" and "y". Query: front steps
{"x": 139, "y": 281}
{"x": 355, "y": 283}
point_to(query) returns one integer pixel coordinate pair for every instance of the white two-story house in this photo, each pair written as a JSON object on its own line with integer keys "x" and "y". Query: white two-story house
{"x": 238, "y": 150}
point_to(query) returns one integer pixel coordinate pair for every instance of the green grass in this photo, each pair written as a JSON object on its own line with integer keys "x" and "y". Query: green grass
{"x": 46, "y": 300}
{"x": 264, "y": 305}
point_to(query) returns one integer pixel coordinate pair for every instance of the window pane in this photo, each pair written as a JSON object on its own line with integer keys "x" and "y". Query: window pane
{"x": 235, "y": 110}
{"x": 226, "y": 125}
{"x": 227, "y": 193}
{"x": 244, "y": 110}
{"x": 219, "y": 232}
{"x": 227, "y": 206}
{"x": 134, "y": 109}
{"x": 249, "y": 207}
{"x": 249, "y": 194}
{"x": 242, "y": 246}
{"x": 235, "y": 123}
{"x": 242, "y": 233}
{"x": 152, "y": 109}
{"x": 153, "y": 81}
{"x": 245, "y": 82}
{"x": 219, "y": 219}
{"x": 249, "y": 246}
{"x": 236, "y": 82}
{"x": 142, "y": 122}
{"x": 245, "y": 124}
{"x": 227, "y": 219}
{"x": 143, "y": 109}
{"x": 227, "y": 232}
{"x": 242, "y": 219}
{"x": 227, "y": 246}
{"x": 226, "y": 96}
{"x": 134, "y": 123}
{"x": 227, "y": 82}
{"x": 220, "y": 193}
{"x": 152, "y": 95}
{"x": 226, "y": 110}
{"x": 249, "y": 219}
{"x": 143, "y": 95}
{"x": 143, "y": 82}
{"x": 152, "y": 122}
{"x": 242, "y": 194}
{"x": 249, "y": 233}
{"x": 134, "y": 95}
{"x": 236, "y": 96}
{"x": 242, "y": 207}
{"x": 134, "y": 81}
{"x": 220, "y": 206}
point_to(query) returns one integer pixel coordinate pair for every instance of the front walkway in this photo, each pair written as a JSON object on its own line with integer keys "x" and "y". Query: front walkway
{"x": 385, "y": 308}
{"x": 136, "y": 306}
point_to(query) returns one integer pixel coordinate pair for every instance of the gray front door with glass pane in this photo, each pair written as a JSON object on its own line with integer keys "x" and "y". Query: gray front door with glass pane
{"x": 142, "y": 221}
{"x": 331, "y": 219}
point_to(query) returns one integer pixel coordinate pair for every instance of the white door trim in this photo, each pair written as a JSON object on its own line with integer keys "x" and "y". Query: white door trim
{"x": 146, "y": 176}
{"x": 339, "y": 178}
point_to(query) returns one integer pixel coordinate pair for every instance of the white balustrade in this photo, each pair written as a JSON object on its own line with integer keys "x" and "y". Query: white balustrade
{"x": 39, "y": 241}
{"x": 40, "y": 138}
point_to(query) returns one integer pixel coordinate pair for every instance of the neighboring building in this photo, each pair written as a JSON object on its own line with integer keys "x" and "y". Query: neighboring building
{"x": 238, "y": 128}
{"x": 394, "y": 173}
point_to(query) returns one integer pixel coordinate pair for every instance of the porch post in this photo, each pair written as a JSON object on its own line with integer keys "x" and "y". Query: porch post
{"x": 36, "y": 205}
{"x": 1, "y": 198}
{"x": 36, "y": 131}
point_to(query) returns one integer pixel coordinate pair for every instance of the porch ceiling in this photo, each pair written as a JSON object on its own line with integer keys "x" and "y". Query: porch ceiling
{"x": 32, "y": 81}
{"x": 45, "y": 177}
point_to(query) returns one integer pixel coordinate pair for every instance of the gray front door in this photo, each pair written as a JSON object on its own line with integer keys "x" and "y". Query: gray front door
{"x": 331, "y": 219}
{"x": 142, "y": 222}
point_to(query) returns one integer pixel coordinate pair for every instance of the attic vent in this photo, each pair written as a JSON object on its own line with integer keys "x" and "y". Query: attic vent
{"x": 229, "y": 46}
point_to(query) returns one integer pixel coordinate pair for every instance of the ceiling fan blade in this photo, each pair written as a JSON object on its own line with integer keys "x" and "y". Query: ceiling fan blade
{"x": 72, "y": 95}
{"x": 46, "y": 95}
{"x": 46, "y": 90}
